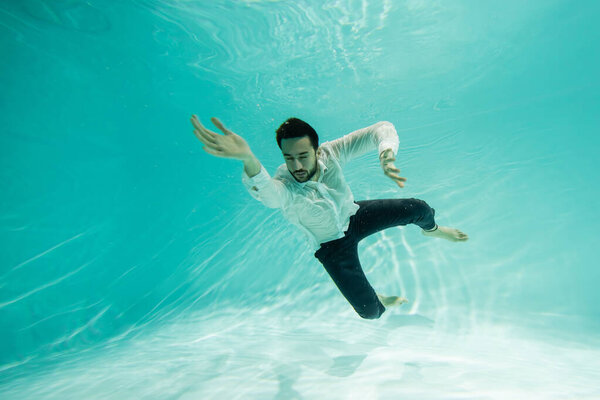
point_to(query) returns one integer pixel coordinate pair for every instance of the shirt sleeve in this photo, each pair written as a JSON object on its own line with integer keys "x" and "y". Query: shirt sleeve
{"x": 269, "y": 191}
{"x": 380, "y": 136}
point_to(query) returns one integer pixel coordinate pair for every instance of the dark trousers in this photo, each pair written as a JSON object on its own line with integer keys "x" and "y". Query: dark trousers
{"x": 340, "y": 256}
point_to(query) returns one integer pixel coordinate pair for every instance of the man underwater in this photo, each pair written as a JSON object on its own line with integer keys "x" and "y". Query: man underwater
{"x": 312, "y": 194}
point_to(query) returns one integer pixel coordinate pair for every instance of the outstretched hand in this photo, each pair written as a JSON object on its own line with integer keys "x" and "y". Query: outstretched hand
{"x": 228, "y": 145}
{"x": 387, "y": 163}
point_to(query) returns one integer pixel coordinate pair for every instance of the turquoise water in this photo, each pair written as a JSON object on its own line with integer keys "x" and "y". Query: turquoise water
{"x": 135, "y": 265}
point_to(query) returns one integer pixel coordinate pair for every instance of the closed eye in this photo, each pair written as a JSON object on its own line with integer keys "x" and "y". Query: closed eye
{"x": 300, "y": 158}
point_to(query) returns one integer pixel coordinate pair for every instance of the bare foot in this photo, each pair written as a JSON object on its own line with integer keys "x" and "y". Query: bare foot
{"x": 390, "y": 301}
{"x": 444, "y": 232}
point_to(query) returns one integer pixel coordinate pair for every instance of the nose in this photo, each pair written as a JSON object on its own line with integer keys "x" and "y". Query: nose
{"x": 297, "y": 165}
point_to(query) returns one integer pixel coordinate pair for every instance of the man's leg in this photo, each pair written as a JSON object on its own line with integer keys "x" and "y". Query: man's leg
{"x": 340, "y": 259}
{"x": 376, "y": 215}
{"x": 340, "y": 256}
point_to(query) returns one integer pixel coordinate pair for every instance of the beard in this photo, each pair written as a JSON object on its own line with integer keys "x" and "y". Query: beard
{"x": 306, "y": 176}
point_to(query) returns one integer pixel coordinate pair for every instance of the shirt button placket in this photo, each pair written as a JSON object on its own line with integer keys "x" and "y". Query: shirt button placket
{"x": 327, "y": 197}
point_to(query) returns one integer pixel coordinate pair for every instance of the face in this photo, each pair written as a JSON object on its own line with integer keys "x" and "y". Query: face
{"x": 300, "y": 158}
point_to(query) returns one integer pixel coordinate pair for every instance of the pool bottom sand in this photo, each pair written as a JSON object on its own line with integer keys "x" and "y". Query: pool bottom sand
{"x": 269, "y": 353}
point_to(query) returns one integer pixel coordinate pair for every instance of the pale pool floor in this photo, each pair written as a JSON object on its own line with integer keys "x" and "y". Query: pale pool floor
{"x": 272, "y": 353}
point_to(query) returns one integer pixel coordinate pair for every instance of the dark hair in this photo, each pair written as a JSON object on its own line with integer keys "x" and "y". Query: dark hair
{"x": 294, "y": 128}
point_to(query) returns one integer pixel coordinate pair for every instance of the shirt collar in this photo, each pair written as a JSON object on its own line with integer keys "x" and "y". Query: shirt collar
{"x": 323, "y": 169}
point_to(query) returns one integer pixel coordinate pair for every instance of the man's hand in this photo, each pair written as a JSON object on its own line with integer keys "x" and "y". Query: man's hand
{"x": 387, "y": 163}
{"x": 228, "y": 145}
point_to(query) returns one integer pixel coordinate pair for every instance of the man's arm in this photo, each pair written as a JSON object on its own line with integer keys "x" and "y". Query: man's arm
{"x": 251, "y": 166}
{"x": 270, "y": 192}
{"x": 380, "y": 136}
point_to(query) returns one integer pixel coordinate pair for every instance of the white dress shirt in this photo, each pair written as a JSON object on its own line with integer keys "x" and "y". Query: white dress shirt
{"x": 322, "y": 208}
